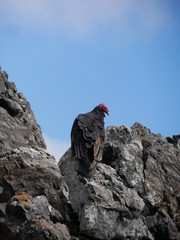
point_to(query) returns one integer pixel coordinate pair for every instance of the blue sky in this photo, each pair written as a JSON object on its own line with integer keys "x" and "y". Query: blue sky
{"x": 69, "y": 56}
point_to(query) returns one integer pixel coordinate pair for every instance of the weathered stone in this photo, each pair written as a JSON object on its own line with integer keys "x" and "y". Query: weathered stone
{"x": 174, "y": 140}
{"x": 103, "y": 202}
{"x": 34, "y": 201}
{"x": 18, "y": 125}
{"x": 32, "y": 218}
{"x": 33, "y": 187}
{"x": 41, "y": 229}
{"x": 134, "y": 195}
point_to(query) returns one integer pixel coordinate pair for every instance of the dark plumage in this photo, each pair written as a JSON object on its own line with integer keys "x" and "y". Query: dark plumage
{"x": 87, "y": 136}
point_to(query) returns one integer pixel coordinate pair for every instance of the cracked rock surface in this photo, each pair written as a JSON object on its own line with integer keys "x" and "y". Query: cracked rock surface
{"x": 134, "y": 193}
{"x": 18, "y": 124}
{"x": 34, "y": 202}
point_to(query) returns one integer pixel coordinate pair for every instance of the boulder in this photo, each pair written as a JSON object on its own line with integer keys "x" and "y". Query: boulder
{"x": 133, "y": 193}
{"x": 33, "y": 196}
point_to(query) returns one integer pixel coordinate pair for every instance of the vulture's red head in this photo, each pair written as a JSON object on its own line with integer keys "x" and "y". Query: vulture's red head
{"x": 104, "y": 108}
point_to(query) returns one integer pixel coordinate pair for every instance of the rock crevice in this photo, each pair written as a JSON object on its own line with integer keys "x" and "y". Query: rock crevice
{"x": 134, "y": 193}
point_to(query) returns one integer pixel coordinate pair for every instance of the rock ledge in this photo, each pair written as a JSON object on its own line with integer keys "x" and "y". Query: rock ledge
{"x": 134, "y": 193}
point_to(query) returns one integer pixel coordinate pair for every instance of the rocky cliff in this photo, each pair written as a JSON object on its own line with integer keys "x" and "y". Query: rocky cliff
{"x": 133, "y": 194}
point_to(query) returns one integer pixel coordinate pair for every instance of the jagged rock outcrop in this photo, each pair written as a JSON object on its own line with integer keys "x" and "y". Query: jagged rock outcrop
{"x": 18, "y": 126}
{"x": 34, "y": 202}
{"x": 33, "y": 196}
{"x": 133, "y": 194}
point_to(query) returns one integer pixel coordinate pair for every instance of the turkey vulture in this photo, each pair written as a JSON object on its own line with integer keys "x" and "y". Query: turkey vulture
{"x": 87, "y": 137}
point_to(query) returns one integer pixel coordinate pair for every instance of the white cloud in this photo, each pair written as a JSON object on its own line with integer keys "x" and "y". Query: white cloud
{"x": 56, "y": 147}
{"x": 82, "y": 17}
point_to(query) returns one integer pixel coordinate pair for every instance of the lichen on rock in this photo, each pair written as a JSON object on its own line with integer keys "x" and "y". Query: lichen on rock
{"x": 134, "y": 193}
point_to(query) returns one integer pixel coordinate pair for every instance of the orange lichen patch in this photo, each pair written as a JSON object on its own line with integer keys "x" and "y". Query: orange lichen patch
{"x": 46, "y": 225}
{"x": 22, "y": 198}
{"x": 53, "y": 230}
{"x": 23, "y": 202}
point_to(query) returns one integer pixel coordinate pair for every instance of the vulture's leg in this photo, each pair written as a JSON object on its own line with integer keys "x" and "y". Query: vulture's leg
{"x": 84, "y": 165}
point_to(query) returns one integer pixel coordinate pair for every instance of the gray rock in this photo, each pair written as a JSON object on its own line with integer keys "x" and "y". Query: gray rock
{"x": 18, "y": 124}
{"x": 41, "y": 229}
{"x": 134, "y": 193}
{"x": 34, "y": 198}
{"x": 35, "y": 218}
{"x": 34, "y": 195}
{"x": 102, "y": 202}
{"x": 151, "y": 165}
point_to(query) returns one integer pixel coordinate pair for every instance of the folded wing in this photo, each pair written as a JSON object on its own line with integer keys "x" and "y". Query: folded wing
{"x": 87, "y": 137}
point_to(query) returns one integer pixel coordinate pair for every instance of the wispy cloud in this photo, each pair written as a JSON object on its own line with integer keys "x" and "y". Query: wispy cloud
{"x": 81, "y": 17}
{"x": 56, "y": 147}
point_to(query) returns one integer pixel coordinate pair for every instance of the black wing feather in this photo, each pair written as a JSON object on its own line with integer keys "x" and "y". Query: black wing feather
{"x": 87, "y": 137}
